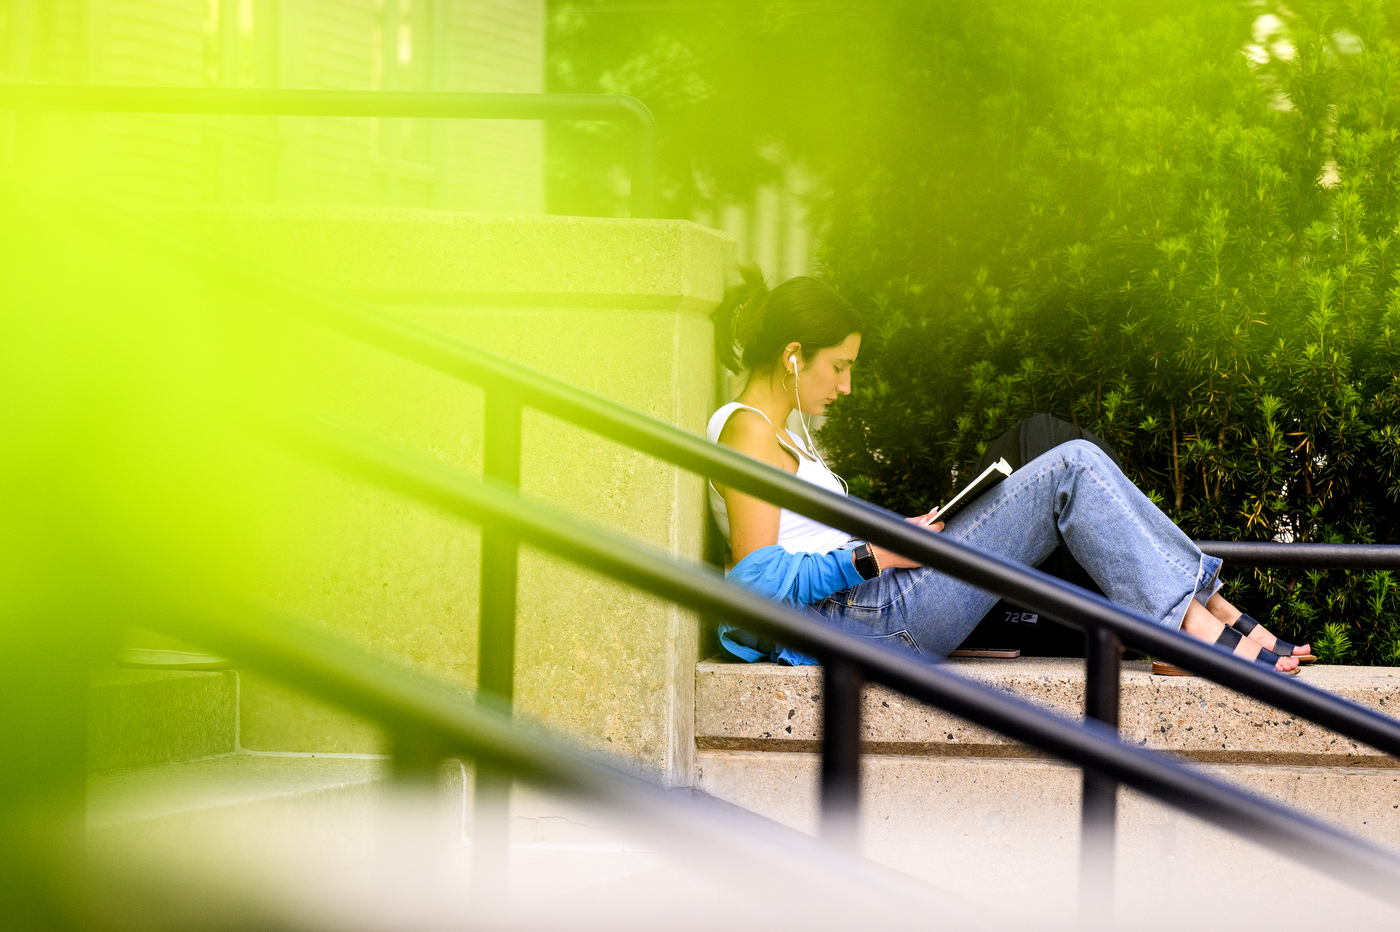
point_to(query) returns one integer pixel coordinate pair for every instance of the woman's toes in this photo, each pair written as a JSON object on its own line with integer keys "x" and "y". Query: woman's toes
{"x": 1286, "y": 664}
{"x": 1302, "y": 650}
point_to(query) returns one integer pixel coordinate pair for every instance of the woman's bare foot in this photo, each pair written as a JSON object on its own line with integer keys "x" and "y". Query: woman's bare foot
{"x": 1227, "y": 613}
{"x": 1203, "y": 625}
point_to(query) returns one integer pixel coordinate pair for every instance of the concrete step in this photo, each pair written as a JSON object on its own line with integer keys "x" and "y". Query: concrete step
{"x": 141, "y": 717}
{"x": 961, "y": 806}
{"x": 308, "y": 796}
{"x": 334, "y": 835}
{"x": 180, "y": 800}
{"x": 768, "y": 707}
{"x": 330, "y": 842}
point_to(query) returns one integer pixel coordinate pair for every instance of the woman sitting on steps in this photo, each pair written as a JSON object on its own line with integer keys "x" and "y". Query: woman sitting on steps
{"x": 798, "y": 343}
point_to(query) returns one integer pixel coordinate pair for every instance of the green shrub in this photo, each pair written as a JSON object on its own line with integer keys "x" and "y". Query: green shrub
{"x": 1111, "y": 213}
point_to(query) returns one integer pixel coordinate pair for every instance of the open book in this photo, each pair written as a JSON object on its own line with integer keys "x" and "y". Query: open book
{"x": 990, "y": 477}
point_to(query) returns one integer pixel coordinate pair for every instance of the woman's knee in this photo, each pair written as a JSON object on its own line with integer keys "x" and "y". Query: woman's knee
{"x": 1083, "y": 455}
{"x": 1081, "y": 452}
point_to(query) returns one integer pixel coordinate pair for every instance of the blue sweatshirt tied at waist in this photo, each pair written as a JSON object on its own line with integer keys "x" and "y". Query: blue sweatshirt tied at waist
{"x": 794, "y": 579}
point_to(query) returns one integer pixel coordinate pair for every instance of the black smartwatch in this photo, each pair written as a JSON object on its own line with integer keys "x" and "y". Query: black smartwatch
{"x": 866, "y": 563}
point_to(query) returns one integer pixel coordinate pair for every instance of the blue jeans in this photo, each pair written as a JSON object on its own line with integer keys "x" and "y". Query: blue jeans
{"x": 1072, "y": 495}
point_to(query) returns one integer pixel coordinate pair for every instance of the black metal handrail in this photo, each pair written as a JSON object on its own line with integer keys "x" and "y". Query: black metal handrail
{"x": 1089, "y": 745}
{"x": 295, "y": 652}
{"x": 1304, "y": 556}
{"x": 509, "y": 387}
{"x": 516, "y": 386}
{"x": 33, "y": 99}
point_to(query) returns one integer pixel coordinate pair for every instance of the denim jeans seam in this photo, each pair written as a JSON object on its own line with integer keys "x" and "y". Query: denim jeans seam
{"x": 909, "y": 636}
{"x": 916, "y": 575}
{"x": 1167, "y": 558}
{"x": 876, "y": 609}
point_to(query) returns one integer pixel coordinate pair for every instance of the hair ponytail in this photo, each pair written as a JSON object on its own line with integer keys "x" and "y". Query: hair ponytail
{"x": 740, "y": 317}
{"x": 753, "y": 324}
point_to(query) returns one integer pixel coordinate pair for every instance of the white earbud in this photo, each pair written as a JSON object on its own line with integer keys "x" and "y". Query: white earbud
{"x": 808, "y": 434}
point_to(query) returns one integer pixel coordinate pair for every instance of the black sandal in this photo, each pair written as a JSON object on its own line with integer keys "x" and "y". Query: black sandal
{"x": 1229, "y": 639}
{"x": 1244, "y": 624}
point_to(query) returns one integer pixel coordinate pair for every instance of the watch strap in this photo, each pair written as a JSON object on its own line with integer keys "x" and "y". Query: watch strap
{"x": 866, "y": 564}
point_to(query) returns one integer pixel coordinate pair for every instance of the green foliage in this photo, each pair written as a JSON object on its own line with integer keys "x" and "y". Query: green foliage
{"x": 1333, "y": 645}
{"x": 742, "y": 92}
{"x": 1115, "y": 215}
{"x": 1173, "y": 222}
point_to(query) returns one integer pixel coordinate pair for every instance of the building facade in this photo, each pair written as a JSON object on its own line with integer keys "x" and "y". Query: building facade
{"x": 392, "y": 45}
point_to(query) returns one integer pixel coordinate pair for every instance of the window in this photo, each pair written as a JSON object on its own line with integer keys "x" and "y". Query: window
{"x": 403, "y": 61}
{"x": 240, "y": 43}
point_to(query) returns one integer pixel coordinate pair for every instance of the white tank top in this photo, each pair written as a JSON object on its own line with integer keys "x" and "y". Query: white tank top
{"x": 796, "y": 533}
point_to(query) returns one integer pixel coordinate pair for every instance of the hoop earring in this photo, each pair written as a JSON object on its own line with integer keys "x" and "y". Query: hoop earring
{"x": 786, "y": 375}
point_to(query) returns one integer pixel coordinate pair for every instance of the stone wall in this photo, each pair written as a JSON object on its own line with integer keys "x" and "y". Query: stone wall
{"x": 618, "y": 307}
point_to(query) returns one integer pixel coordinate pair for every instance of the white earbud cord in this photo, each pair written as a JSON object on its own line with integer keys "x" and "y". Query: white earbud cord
{"x": 803, "y": 420}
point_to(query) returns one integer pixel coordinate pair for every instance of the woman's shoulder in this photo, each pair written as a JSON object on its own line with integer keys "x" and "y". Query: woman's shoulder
{"x": 724, "y": 413}
{"x": 747, "y": 431}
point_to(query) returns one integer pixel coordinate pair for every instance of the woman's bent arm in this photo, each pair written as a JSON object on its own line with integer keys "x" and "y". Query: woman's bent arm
{"x": 796, "y": 578}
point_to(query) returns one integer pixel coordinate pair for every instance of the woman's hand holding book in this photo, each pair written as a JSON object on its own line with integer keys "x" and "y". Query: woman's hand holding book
{"x": 890, "y": 560}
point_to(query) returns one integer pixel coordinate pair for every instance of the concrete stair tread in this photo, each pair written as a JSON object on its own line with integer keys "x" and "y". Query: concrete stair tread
{"x": 140, "y": 717}
{"x": 108, "y": 677}
{"x": 773, "y": 707}
{"x": 966, "y": 809}
{"x": 166, "y": 790}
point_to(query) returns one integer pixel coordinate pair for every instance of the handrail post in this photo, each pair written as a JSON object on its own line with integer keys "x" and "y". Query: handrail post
{"x": 496, "y": 646}
{"x": 500, "y": 464}
{"x": 416, "y": 757}
{"x": 842, "y": 683}
{"x": 850, "y": 661}
{"x": 1099, "y": 801}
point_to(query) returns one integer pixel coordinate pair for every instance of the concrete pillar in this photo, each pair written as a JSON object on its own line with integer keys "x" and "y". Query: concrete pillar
{"x": 618, "y": 307}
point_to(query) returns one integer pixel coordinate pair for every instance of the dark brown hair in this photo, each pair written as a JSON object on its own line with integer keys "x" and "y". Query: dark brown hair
{"x": 753, "y": 324}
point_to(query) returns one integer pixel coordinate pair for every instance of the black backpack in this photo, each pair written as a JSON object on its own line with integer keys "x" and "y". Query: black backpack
{"x": 1009, "y": 625}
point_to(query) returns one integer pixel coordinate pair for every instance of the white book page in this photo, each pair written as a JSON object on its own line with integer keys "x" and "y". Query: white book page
{"x": 974, "y": 488}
